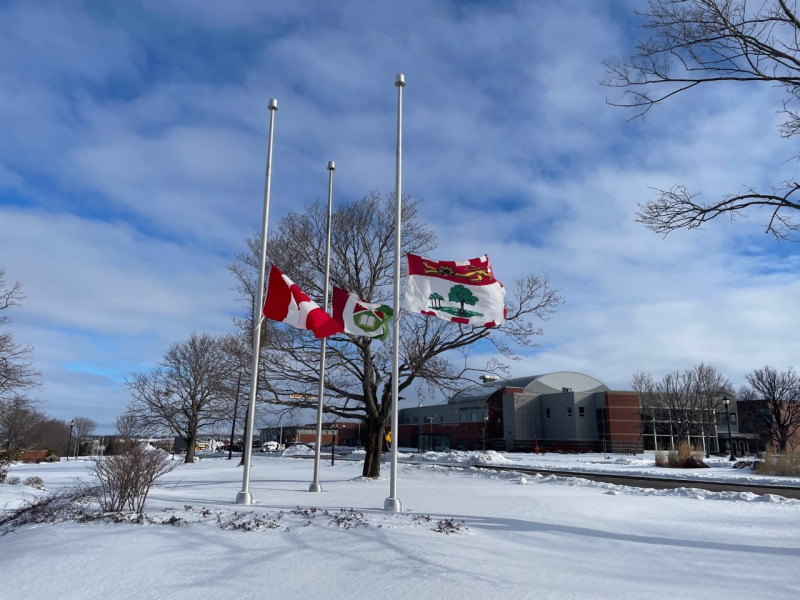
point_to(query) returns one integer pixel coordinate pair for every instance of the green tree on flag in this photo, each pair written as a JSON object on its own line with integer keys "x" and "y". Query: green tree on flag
{"x": 460, "y": 294}
{"x": 436, "y": 300}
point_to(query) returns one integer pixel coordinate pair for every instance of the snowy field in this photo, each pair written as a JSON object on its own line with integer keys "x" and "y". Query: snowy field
{"x": 511, "y": 536}
{"x": 640, "y": 465}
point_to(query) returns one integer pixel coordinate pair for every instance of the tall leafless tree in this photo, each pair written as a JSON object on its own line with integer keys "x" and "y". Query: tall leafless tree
{"x": 780, "y": 393}
{"x": 358, "y": 372}
{"x": 128, "y": 427}
{"x": 188, "y": 390}
{"x": 646, "y": 386}
{"x": 691, "y": 43}
{"x": 690, "y": 398}
{"x": 50, "y": 434}
{"x": 17, "y": 375}
{"x": 19, "y": 419}
{"x": 709, "y": 387}
{"x": 84, "y": 427}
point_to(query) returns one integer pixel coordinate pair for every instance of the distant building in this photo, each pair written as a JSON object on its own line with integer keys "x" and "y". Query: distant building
{"x": 756, "y": 420}
{"x": 298, "y": 434}
{"x": 708, "y": 430}
{"x": 562, "y": 411}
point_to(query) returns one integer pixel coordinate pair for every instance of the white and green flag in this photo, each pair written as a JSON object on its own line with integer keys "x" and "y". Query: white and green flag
{"x": 359, "y": 317}
{"x": 461, "y": 291}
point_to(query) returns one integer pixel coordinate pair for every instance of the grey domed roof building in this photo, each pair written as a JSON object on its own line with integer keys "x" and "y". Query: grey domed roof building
{"x": 560, "y": 411}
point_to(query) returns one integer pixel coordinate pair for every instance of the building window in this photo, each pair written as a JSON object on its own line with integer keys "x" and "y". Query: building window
{"x": 580, "y": 411}
{"x": 416, "y": 419}
{"x": 547, "y": 412}
{"x": 569, "y": 411}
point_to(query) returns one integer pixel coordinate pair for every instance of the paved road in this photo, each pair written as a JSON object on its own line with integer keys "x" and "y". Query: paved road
{"x": 660, "y": 483}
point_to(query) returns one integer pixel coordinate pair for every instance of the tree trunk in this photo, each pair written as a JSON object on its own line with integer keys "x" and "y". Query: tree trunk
{"x": 191, "y": 444}
{"x": 376, "y": 432}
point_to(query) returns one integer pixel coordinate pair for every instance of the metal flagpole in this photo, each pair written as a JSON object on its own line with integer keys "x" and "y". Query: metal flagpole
{"x": 315, "y": 486}
{"x": 244, "y": 497}
{"x": 392, "y": 503}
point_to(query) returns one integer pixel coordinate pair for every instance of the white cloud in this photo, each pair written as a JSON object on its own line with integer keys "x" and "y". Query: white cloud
{"x": 135, "y": 145}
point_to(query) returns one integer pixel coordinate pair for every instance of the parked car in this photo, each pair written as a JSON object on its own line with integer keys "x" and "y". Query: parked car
{"x": 269, "y": 447}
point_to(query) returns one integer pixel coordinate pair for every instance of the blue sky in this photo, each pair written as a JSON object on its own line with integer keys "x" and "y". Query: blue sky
{"x": 133, "y": 142}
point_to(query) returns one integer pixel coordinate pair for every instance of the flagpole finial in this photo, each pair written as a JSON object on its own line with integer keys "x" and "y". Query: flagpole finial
{"x": 400, "y": 81}
{"x": 273, "y": 104}
{"x": 331, "y": 165}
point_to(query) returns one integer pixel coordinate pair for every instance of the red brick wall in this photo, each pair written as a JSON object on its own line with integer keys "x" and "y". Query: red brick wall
{"x": 624, "y": 419}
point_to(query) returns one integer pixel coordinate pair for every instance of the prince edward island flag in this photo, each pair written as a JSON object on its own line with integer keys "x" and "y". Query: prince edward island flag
{"x": 458, "y": 291}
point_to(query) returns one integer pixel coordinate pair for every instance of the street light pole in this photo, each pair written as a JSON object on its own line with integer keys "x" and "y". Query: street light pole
{"x": 726, "y": 402}
{"x": 69, "y": 441}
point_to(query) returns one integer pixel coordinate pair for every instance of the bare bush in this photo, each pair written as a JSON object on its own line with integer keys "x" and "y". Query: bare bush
{"x": 779, "y": 464}
{"x": 65, "y": 504}
{"x": 10, "y": 480}
{"x": 35, "y": 482}
{"x": 125, "y": 479}
{"x": 448, "y": 526}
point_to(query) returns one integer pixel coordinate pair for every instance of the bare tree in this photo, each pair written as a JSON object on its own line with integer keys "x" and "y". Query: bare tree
{"x": 50, "y": 434}
{"x": 188, "y": 390}
{"x": 780, "y": 393}
{"x": 128, "y": 428}
{"x": 709, "y": 387}
{"x": 84, "y": 427}
{"x": 358, "y": 373}
{"x": 17, "y": 375}
{"x": 18, "y": 422}
{"x": 690, "y": 43}
{"x": 689, "y": 398}
{"x": 646, "y": 386}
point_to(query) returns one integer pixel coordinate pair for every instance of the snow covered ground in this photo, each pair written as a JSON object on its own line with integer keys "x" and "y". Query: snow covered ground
{"x": 511, "y": 536}
{"x": 640, "y": 465}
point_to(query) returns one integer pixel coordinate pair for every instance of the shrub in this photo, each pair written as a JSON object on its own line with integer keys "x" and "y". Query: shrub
{"x": 778, "y": 464}
{"x": 449, "y": 526}
{"x": 125, "y": 479}
{"x": 35, "y": 482}
{"x": 12, "y": 481}
{"x": 61, "y": 505}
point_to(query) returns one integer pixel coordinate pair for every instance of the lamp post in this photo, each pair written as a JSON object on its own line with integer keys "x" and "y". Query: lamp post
{"x": 726, "y": 402}
{"x": 69, "y": 441}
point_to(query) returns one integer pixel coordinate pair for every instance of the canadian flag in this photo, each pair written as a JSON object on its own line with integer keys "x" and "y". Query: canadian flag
{"x": 288, "y": 304}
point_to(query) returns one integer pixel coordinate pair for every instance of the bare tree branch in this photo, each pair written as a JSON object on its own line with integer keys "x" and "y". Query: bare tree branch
{"x": 700, "y": 42}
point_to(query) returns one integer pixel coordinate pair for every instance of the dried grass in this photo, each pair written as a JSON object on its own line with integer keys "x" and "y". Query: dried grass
{"x": 779, "y": 464}
{"x": 678, "y": 459}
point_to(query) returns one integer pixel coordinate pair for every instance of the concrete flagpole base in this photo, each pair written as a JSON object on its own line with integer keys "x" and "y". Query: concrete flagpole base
{"x": 392, "y": 505}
